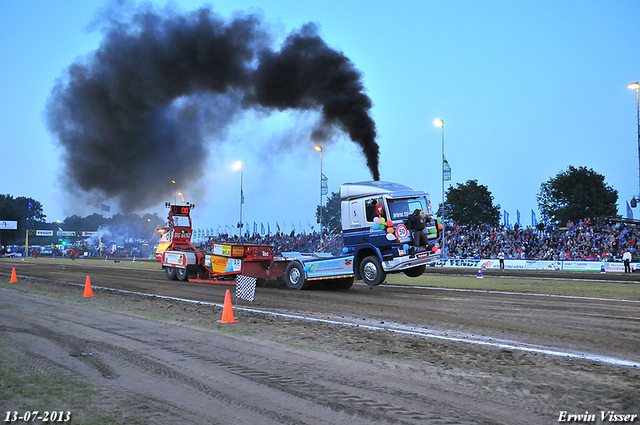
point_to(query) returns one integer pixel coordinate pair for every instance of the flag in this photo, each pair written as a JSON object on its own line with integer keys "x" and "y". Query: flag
{"x": 268, "y": 228}
{"x": 278, "y": 226}
{"x": 104, "y": 207}
{"x": 245, "y": 287}
{"x": 629, "y": 211}
{"x": 241, "y": 196}
{"x": 534, "y": 220}
{"x": 262, "y": 228}
{"x": 324, "y": 189}
{"x": 506, "y": 217}
{"x": 446, "y": 169}
{"x": 30, "y": 205}
{"x": 518, "y": 214}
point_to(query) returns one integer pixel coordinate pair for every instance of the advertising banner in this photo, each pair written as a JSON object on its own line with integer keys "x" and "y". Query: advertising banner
{"x": 8, "y": 225}
{"x": 581, "y": 266}
{"x": 44, "y": 232}
{"x": 223, "y": 265}
{"x": 220, "y": 249}
{"x": 543, "y": 265}
{"x": 175, "y": 259}
{"x": 330, "y": 267}
{"x": 591, "y": 266}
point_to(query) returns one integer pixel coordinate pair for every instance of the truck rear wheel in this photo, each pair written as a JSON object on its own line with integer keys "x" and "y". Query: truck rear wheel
{"x": 295, "y": 277}
{"x": 170, "y": 272}
{"x": 415, "y": 271}
{"x": 182, "y": 274}
{"x": 371, "y": 271}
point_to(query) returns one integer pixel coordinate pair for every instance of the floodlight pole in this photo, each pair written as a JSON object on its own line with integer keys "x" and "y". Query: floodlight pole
{"x": 636, "y": 87}
{"x": 240, "y": 224}
{"x": 440, "y": 123}
{"x": 319, "y": 149}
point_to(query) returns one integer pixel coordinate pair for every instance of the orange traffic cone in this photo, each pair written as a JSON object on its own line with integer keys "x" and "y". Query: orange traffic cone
{"x": 227, "y": 310}
{"x": 14, "y": 278}
{"x": 88, "y": 292}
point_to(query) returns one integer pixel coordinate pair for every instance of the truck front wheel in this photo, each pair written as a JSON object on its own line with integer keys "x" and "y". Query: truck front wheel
{"x": 295, "y": 277}
{"x": 170, "y": 272}
{"x": 415, "y": 271}
{"x": 371, "y": 271}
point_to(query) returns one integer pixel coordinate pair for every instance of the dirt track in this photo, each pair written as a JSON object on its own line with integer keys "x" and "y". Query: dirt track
{"x": 367, "y": 355}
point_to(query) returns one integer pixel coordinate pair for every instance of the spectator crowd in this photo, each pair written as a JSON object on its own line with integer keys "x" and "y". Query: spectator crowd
{"x": 599, "y": 240}
{"x": 282, "y": 242}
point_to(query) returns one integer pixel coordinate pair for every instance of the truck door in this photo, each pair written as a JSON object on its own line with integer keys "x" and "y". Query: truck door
{"x": 355, "y": 214}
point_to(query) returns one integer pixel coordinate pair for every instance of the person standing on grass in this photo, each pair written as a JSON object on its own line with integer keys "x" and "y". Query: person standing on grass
{"x": 626, "y": 258}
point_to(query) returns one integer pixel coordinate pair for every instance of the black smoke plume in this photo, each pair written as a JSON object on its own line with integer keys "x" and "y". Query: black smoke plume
{"x": 162, "y": 83}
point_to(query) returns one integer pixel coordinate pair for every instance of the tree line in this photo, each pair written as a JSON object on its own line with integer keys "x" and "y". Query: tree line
{"x": 571, "y": 195}
{"x": 29, "y": 215}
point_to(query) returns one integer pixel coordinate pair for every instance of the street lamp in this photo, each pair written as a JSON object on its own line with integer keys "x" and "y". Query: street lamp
{"x": 635, "y": 86}
{"x": 182, "y": 196}
{"x": 440, "y": 123}
{"x": 319, "y": 149}
{"x": 56, "y": 238}
{"x": 240, "y": 165}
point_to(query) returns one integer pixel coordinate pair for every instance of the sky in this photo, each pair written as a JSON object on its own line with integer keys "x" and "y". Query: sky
{"x": 525, "y": 89}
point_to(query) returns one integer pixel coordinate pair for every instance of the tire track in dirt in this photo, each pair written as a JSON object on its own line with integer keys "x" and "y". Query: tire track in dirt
{"x": 346, "y": 400}
{"x": 318, "y": 383}
{"x": 111, "y": 362}
{"x": 139, "y": 407}
{"x": 376, "y": 400}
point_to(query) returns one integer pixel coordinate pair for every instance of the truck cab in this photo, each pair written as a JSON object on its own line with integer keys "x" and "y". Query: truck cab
{"x": 374, "y": 214}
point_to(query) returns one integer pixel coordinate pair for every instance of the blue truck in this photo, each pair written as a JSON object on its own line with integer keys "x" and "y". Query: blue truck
{"x": 375, "y": 235}
{"x": 376, "y": 239}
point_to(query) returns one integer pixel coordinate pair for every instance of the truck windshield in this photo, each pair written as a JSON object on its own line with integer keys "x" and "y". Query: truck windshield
{"x": 399, "y": 209}
{"x": 181, "y": 221}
